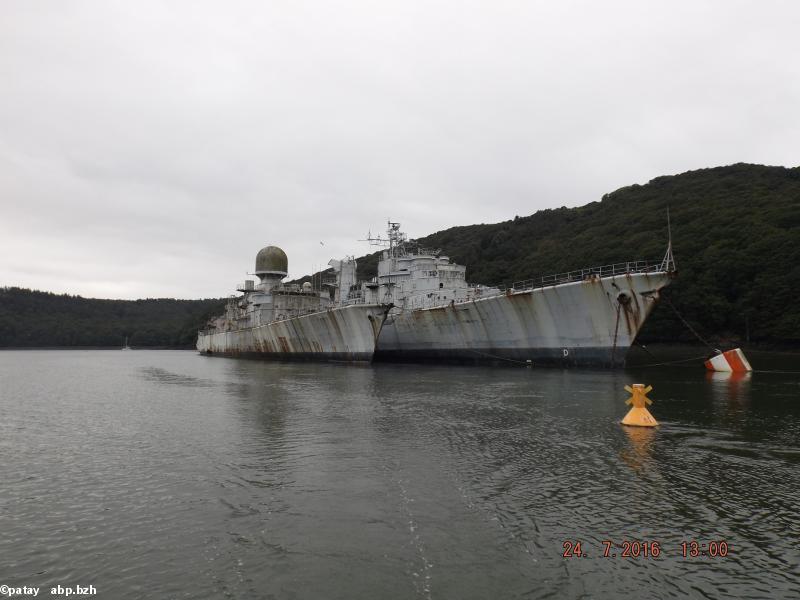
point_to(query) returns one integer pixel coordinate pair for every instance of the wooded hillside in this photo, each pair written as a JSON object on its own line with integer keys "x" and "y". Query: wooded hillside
{"x": 736, "y": 237}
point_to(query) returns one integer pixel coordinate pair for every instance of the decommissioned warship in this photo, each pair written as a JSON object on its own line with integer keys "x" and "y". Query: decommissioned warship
{"x": 588, "y": 317}
{"x": 420, "y": 308}
{"x": 276, "y": 320}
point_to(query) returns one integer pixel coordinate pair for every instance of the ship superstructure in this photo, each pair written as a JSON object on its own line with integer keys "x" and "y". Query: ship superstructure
{"x": 412, "y": 277}
{"x": 276, "y": 320}
{"x": 585, "y": 317}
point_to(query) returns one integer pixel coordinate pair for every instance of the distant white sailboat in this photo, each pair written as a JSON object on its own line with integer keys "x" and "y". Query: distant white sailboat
{"x": 126, "y": 347}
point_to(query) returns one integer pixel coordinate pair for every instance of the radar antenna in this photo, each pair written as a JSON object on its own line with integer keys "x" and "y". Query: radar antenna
{"x": 394, "y": 240}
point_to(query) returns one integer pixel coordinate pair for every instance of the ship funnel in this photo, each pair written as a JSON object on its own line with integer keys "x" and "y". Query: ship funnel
{"x": 345, "y": 277}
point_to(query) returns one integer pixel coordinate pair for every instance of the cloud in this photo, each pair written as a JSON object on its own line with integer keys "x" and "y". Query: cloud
{"x": 150, "y": 148}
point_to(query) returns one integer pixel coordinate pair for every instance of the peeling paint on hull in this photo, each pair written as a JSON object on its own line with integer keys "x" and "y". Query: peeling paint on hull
{"x": 341, "y": 334}
{"x": 584, "y": 323}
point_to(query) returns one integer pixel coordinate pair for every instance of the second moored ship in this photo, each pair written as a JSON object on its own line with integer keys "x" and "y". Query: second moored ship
{"x": 274, "y": 320}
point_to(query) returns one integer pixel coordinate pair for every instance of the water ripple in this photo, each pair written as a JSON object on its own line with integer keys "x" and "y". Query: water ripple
{"x": 208, "y": 478}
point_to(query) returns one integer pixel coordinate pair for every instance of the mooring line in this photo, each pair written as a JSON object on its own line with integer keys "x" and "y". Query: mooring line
{"x": 616, "y": 330}
{"x": 519, "y": 362}
{"x": 672, "y": 362}
{"x": 685, "y": 322}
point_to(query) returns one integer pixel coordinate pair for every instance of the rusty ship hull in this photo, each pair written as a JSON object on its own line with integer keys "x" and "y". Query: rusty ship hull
{"x": 592, "y": 322}
{"x": 346, "y": 334}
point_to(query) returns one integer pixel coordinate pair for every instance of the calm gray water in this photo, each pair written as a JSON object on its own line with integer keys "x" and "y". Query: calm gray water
{"x": 164, "y": 474}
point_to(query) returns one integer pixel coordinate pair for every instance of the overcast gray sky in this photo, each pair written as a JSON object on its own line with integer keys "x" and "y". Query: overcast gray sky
{"x": 149, "y": 149}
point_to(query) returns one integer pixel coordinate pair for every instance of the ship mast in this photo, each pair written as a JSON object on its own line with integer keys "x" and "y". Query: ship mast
{"x": 668, "y": 264}
{"x": 395, "y": 239}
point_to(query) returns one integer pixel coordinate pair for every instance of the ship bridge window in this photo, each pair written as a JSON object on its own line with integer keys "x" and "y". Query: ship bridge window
{"x": 452, "y": 274}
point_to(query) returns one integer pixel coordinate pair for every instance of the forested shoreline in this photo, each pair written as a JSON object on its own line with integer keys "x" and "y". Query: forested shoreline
{"x": 30, "y": 318}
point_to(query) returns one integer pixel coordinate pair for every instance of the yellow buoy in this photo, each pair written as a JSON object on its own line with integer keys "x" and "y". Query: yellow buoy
{"x": 638, "y": 415}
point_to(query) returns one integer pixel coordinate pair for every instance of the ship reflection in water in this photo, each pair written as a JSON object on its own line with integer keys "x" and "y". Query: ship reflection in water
{"x": 160, "y": 474}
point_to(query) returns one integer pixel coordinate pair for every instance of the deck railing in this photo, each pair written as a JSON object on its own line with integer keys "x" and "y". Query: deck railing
{"x": 625, "y": 268}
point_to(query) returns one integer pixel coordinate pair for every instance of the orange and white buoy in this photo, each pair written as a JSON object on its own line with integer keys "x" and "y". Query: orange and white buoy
{"x": 638, "y": 415}
{"x": 731, "y": 361}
